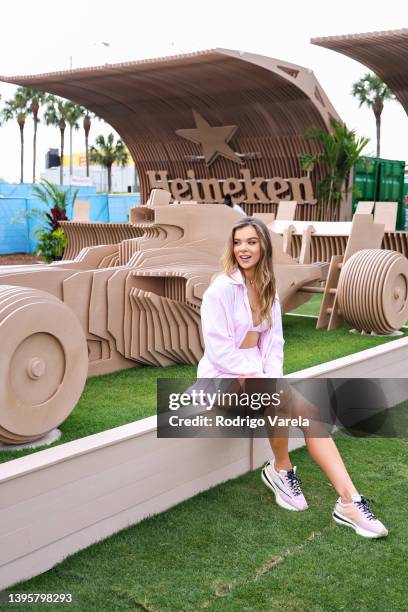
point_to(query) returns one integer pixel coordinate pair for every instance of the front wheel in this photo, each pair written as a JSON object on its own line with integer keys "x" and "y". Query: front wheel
{"x": 43, "y": 364}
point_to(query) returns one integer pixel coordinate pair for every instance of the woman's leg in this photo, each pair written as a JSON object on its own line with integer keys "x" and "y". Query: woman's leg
{"x": 325, "y": 453}
{"x": 279, "y": 444}
{"x": 322, "y": 448}
{"x": 279, "y": 436}
{"x": 351, "y": 509}
{"x": 280, "y": 449}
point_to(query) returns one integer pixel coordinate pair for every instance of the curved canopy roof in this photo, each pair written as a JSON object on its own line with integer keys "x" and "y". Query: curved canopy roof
{"x": 385, "y": 53}
{"x": 154, "y": 105}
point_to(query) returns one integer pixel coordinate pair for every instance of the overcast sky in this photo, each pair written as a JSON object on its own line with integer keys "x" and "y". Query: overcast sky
{"x": 44, "y": 36}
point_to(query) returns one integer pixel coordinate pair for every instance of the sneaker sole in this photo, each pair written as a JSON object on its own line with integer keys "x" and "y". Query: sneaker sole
{"x": 341, "y": 520}
{"x": 281, "y": 502}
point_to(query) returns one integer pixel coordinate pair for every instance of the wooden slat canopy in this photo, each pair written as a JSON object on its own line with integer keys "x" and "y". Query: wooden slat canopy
{"x": 272, "y": 103}
{"x": 385, "y": 53}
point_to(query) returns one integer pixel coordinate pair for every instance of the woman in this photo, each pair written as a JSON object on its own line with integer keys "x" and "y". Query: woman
{"x": 242, "y": 329}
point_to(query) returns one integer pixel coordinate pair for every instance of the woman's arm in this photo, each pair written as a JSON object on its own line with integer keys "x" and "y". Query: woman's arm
{"x": 272, "y": 347}
{"x": 217, "y": 326}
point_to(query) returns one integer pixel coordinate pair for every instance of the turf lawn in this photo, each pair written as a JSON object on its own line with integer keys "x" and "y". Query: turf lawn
{"x": 120, "y": 398}
{"x": 312, "y": 307}
{"x": 232, "y": 548}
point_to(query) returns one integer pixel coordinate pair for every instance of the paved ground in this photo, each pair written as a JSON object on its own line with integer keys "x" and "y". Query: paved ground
{"x": 18, "y": 258}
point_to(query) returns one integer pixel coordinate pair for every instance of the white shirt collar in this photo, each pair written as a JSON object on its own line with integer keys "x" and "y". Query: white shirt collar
{"x": 237, "y": 277}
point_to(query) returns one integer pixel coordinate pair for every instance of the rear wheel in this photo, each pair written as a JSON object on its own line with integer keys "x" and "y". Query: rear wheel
{"x": 373, "y": 291}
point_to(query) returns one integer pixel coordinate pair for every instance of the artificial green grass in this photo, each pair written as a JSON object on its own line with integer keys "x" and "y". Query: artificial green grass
{"x": 307, "y": 346}
{"x": 120, "y": 398}
{"x": 311, "y": 307}
{"x": 232, "y": 548}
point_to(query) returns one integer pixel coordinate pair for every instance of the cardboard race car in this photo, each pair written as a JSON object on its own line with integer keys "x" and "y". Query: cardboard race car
{"x": 134, "y": 298}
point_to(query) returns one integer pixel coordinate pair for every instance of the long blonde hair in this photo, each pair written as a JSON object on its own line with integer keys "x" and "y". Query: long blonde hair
{"x": 265, "y": 282}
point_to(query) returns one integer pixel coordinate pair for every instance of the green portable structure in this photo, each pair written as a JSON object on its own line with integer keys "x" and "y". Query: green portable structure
{"x": 406, "y": 204}
{"x": 380, "y": 180}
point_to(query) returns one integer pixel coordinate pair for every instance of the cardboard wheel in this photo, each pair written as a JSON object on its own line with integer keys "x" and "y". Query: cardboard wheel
{"x": 44, "y": 363}
{"x": 385, "y": 306}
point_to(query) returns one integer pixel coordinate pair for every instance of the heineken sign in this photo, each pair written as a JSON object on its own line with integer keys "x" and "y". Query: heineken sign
{"x": 246, "y": 189}
{"x": 214, "y": 142}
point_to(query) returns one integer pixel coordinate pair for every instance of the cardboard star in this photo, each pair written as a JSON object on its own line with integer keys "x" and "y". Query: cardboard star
{"x": 213, "y": 139}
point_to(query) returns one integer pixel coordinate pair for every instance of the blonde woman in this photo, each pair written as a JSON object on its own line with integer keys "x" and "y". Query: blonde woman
{"x": 242, "y": 329}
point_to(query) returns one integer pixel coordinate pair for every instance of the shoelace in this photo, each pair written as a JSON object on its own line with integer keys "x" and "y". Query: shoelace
{"x": 294, "y": 483}
{"x": 363, "y": 506}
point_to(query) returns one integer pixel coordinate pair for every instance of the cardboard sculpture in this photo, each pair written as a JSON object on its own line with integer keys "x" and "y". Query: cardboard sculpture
{"x": 330, "y": 238}
{"x": 44, "y": 364}
{"x": 364, "y": 208}
{"x": 81, "y": 235}
{"x": 137, "y": 302}
{"x": 386, "y": 212}
{"x": 327, "y": 238}
{"x": 286, "y": 211}
{"x": 245, "y": 143}
{"x": 367, "y": 286}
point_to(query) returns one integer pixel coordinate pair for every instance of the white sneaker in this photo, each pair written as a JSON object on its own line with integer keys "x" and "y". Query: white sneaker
{"x": 359, "y": 517}
{"x": 286, "y": 486}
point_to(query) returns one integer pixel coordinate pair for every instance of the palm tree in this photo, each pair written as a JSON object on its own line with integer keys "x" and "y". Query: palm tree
{"x": 16, "y": 108}
{"x": 107, "y": 153}
{"x": 87, "y": 127}
{"x": 73, "y": 113}
{"x": 56, "y": 200}
{"x": 50, "y": 238}
{"x": 34, "y": 100}
{"x": 341, "y": 150}
{"x": 57, "y": 114}
{"x": 372, "y": 91}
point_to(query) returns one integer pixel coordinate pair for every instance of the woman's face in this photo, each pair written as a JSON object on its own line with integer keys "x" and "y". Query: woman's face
{"x": 247, "y": 247}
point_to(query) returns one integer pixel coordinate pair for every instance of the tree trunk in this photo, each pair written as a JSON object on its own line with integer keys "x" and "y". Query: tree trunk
{"x": 378, "y": 126}
{"x": 35, "y": 107}
{"x": 62, "y": 130}
{"x": 136, "y": 178}
{"x": 87, "y": 127}
{"x": 21, "y": 126}
{"x": 34, "y": 145}
{"x": 87, "y": 154}
{"x": 70, "y": 150}
{"x": 109, "y": 168}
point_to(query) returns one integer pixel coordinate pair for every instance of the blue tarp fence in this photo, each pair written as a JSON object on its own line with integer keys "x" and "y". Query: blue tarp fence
{"x": 17, "y": 232}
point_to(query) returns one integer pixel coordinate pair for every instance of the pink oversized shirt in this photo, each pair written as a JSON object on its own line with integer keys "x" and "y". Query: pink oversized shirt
{"x": 226, "y": 318}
